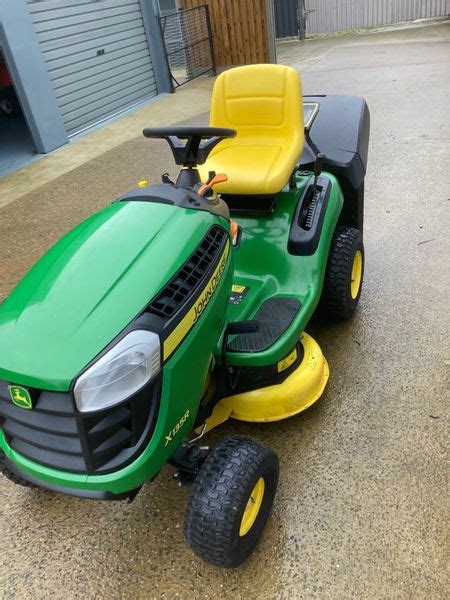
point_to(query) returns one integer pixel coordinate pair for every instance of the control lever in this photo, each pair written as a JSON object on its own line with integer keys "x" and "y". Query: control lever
{"x": 318, "y": 166}
{"x": 166, "y": 179}
{"x": 206, "y": 189}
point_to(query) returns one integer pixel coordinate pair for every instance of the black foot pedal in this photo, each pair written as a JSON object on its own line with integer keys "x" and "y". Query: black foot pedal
{"x": 274, "y": 317}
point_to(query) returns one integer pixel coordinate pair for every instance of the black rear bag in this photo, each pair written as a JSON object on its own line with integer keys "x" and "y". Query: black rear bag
{"x": 340, "y": 130}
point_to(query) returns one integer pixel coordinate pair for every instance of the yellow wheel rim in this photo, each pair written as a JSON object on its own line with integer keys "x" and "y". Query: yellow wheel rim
{"x": 252, "y": 509}
{"x": 356, "y": 274}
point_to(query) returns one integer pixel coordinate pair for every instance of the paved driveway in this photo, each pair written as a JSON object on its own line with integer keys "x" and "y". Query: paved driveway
{"x": 360, "y": 511}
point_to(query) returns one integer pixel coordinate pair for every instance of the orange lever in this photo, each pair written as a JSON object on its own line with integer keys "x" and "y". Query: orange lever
{"x": 220, "y": 178}
{"x": 234, "y": 229}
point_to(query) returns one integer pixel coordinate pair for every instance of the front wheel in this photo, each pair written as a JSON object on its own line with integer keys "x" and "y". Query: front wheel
{"x": 12, "y": 476}
{"x": 231, "y": 501}
{"x": 344, "y": 275}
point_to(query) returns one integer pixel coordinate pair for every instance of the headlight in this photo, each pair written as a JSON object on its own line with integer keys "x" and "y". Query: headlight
{"x": 120, "y": 372}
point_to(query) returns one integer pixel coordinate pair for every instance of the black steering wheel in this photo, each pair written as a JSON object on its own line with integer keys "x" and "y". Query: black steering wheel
{"x": 200, "y": 141}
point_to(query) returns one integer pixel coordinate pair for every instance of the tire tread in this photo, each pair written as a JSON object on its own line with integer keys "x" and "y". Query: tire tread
{"x": 223, "y": 480}
{"x": 12, "y": 476}
{"x": 336, "y": 303}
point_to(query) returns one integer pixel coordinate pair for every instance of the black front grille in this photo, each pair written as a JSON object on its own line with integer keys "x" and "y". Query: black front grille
{"x": 183, "y": 284}
{"x": 55, "y": 434}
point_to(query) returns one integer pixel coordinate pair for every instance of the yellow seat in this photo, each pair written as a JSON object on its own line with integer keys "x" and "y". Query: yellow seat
{"x": 264, "y": 104}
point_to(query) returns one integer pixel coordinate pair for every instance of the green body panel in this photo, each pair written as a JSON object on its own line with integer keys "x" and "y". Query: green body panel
{"x": 263, "y": 263}
{"x": 88, "y": 287}
{"x": 184, "y": 379}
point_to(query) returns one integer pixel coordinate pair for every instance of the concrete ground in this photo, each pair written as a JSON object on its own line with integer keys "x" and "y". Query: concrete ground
{"x": 361, "y": 507}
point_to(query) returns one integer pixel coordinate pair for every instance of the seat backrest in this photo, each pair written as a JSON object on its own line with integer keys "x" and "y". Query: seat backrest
{"x": 260, "y": 101}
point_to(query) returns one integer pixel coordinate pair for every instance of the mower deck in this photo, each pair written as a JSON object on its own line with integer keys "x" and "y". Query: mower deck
{"x": 296, "y": 393}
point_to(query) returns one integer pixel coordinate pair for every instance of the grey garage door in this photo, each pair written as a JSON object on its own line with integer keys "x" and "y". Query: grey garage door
{"x": 97, "y": 56}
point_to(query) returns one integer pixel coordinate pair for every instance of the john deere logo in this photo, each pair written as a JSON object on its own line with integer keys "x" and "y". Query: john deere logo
{"x": 20, "y": 396}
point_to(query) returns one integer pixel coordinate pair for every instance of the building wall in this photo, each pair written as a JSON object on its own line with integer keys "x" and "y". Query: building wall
{"x": 338, "y": 15}
{"x": 75, "y": 63}
{"x": 20, "y": 47}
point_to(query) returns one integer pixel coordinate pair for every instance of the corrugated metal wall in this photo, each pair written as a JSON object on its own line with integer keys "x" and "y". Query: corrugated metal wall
{"x": 337, "y": 15}
{"x": 286, "y": 18}
{"x": 97, "y": 56}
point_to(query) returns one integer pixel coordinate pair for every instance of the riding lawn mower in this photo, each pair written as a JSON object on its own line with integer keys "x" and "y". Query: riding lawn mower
{"x": 183, "y": 304}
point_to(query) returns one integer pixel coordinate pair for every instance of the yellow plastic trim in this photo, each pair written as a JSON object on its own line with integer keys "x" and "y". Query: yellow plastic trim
{"x": 237, "y": 288}
{"x": 287, "y": 361}
{"x": 192, "y": 316}
{"x": 296, "y": 393}
{"x": 219, "y": 415}
{"x": 356, "y": 274}
{"x": 314, "y": 112}
{"x": 252, "y": 509}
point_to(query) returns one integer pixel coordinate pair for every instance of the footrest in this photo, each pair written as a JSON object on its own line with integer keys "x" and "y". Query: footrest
{"x": 274, "y": 315}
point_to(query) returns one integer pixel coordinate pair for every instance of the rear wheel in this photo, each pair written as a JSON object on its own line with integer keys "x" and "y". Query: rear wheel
{"x": 12, "y": 476}
{"x": 231, "y": 501}
{"x": 344, "y": 276}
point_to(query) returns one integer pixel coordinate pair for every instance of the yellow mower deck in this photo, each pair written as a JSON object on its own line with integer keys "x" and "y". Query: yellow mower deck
{"x": 296, "y": 393}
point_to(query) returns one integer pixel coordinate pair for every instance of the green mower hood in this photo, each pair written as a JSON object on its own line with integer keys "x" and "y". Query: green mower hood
{"x": 88, "y": 287}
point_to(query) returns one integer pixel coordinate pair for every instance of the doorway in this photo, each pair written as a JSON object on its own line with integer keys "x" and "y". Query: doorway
{"x": 16, "y": 144}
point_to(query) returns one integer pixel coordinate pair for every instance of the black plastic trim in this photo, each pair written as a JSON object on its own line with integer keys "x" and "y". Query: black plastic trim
{"x": 168, "y": 193}
{"x": 304, "y": 241}
{"x": 79, "y": 493}
{"x": 185, "y": 283}
{"x": 250, "y": 205}
{"x": 55, "y": 434}
{"x": 254, "y": 378}
{"x": 275, "y": 315}
{"x": 341, "y": 132}
{"x": 352, "y": 214}
{"x": 245, "y": 379}
{"x": 170, "y": 323}
{"x": 200, "y": 141}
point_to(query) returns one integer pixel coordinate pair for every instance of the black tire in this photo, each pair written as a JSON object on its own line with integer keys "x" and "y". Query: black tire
{"x": 9, "y": 104}
{"x": 337, "y": 302}
{"x": 12, "y": 476}
{"x": 220, "y": 495}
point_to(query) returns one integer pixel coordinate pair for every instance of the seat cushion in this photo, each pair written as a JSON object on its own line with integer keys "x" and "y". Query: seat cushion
{"x": 251, "y": 169}
{"x": 263, "y": 103}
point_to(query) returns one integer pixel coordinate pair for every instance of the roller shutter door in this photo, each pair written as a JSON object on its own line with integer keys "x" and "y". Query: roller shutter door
{"x": 97, "y": 56}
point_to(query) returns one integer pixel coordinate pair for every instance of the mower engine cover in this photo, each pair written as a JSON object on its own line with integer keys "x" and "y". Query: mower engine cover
{"x": 102, "y": 323}
{"x": 90, "y": 286}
